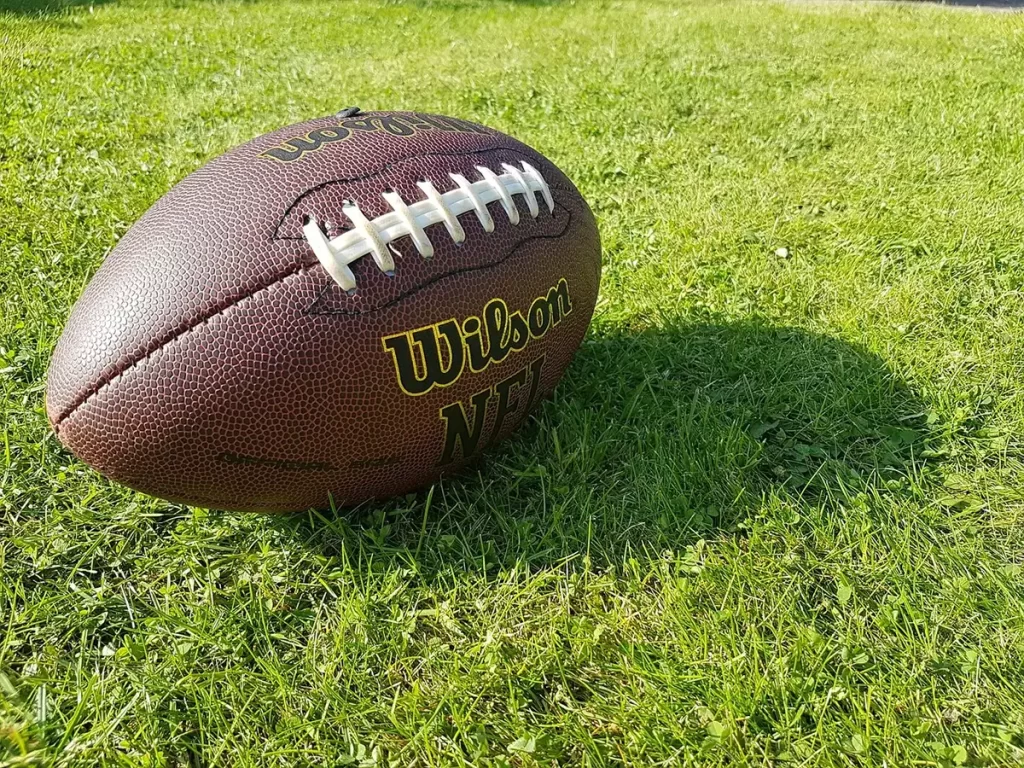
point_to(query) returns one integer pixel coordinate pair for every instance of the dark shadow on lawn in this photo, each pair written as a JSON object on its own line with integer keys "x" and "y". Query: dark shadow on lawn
{"x": 462, "y": 5}
{"x": 986, "y": 5}
{"x": 657, "y": 439}
{"x": 51, "y": 7}
{"x": 994, "y": 5}
{"x": 45, "y": 7}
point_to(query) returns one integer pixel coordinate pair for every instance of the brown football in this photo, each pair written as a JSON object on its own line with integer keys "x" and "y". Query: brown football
{"x": 343, "y": 309}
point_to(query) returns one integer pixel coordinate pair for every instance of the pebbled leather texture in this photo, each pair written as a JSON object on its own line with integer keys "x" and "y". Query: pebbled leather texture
{"x": 212, "y": 360}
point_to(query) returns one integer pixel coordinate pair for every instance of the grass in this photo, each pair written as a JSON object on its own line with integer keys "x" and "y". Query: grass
{"x": 772, "y": 517}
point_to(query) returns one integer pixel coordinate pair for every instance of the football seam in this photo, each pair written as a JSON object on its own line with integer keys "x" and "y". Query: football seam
{"x": 312, "y": 311}
{"x": 384, "y": 168}
{"x": 105, "y": 382}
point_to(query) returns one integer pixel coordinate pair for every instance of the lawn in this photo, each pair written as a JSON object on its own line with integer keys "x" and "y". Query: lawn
{"x": 773, "y": 516}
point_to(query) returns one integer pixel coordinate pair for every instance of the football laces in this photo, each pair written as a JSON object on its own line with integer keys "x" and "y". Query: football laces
{"x": 372, "y": 237}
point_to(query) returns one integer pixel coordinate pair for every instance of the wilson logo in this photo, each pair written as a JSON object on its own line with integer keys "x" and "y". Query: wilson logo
{"x": 437, "y": 355}
{"x": 395, "y": 125}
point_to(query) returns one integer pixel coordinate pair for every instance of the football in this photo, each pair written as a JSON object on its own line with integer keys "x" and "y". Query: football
{"x": 341, "y": 310}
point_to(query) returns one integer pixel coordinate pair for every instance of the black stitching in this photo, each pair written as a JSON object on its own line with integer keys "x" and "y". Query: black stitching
{"x": 107, "y": 381}
{"x": 311, "y": 309}
{"x": 382, "y": 169}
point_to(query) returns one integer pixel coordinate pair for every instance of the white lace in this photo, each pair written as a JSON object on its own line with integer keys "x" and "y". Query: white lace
{"x": 373, "y": 237}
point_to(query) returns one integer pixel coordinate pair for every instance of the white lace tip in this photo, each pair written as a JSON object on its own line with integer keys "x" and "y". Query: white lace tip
{"x": 366, "y": 228}
{"x": 501, "y": 191}
{"x": 415, "y": 231}
{"x": 449, "y": 219}
{"x": 528, "y": 194}
{"x": 545, "y": 191}
{"x": 479, "y": 205}
{"x": 325, "y": 254}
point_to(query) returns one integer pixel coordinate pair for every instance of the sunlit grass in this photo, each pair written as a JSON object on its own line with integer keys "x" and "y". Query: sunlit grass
{"x": 773, "y": 515}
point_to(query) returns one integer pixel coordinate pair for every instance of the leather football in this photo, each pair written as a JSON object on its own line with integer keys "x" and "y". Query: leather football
{"x": 341, "y": 310}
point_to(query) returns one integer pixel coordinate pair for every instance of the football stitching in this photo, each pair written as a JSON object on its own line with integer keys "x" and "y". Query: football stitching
{"x": 331, "y": 285}
{"x": 372, "y": 237}
{"x": 296, "y": 203}
{"x": 103, "y": 383}
{"x": 294, "y": 271}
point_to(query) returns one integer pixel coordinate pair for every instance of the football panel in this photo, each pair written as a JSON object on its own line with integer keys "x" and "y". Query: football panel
{"x": 197, "y": 251}
{"x": 270, "y": 407}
